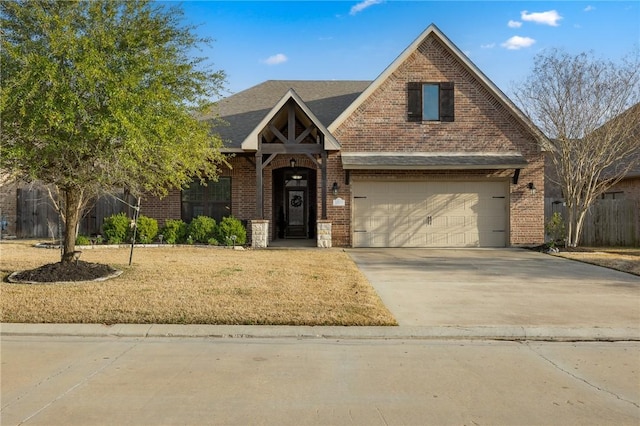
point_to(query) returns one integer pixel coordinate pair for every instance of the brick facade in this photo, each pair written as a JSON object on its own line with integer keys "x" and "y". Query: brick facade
{"x": 482, "y": 124}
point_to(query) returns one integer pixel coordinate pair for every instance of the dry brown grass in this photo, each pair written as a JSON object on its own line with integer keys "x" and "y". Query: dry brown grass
{"x": 196, "y": 285}
{"x": 622, "y": 259}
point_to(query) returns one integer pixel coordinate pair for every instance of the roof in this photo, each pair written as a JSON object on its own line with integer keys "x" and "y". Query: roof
{"x": 431, "y": 160}
{"x": 244, "y": 110}
{"x": 434, "y": 31}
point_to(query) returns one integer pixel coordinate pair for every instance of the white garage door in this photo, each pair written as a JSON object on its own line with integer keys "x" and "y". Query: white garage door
{"x": 430, "y": 214}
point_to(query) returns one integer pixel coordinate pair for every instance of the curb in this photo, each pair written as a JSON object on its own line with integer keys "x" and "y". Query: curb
{"x": 507, "y": 333}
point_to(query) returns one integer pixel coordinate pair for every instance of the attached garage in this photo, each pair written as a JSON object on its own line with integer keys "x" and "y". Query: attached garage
{"x": 430, "y": 213}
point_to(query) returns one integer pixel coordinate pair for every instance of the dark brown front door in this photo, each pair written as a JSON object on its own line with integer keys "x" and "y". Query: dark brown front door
{"x": 296, "y": 213}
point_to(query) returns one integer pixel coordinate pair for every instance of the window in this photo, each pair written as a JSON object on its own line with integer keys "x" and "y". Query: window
{"x": 430, "y": 101}
{"x": 213, "y": 200}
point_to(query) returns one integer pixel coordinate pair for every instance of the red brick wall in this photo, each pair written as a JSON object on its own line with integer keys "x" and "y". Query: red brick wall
{"x": 243, "y": 184}
{"x": 630, "y": 187}
{"x": 482, "y": 124}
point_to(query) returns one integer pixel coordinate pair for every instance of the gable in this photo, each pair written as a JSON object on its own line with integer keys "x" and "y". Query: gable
{"x": 300, "y": 112}
{"x": 485, "y": 119}
{"x": 243, "y": 111}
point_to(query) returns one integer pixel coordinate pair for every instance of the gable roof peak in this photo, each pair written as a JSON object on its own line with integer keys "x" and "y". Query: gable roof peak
{"x": 250, "y": 143}
{"x": 433, "y": 31}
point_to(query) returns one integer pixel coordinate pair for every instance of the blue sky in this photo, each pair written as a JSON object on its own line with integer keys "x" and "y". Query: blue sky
{"x": 356, "y": 40}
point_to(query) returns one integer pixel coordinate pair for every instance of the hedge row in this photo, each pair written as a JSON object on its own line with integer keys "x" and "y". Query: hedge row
{"x": 118, "y": 229}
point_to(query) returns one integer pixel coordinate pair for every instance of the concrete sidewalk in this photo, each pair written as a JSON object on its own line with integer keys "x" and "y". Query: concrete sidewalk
{"x": 510, "y": 333}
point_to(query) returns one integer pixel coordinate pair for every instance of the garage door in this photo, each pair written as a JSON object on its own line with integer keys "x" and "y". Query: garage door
{"x": 430, "y": 214}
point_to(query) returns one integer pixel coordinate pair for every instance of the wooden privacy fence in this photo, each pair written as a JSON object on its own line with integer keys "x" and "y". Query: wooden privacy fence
{"x": 607, "y": 223}
{"x": 36, "y": 217}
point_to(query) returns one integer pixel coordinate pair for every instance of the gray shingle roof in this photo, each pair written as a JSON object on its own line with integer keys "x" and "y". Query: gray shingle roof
{"x": 244, "y": 110}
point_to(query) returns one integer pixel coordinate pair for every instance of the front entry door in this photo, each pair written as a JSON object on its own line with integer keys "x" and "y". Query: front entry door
{"x": 296, "y": 213}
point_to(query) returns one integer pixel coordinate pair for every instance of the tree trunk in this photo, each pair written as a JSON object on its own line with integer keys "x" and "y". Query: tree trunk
{"x": 578, "y": 227}
{"x": 570, "y": 226}
{"x": 73, "y": 206}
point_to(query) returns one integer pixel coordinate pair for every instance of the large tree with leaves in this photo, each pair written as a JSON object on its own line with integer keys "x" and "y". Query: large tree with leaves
{"x": 102, "y": 94}
{"x": 589, "y": 109}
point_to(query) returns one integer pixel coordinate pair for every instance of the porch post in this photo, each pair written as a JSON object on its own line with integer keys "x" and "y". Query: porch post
{"x": 259, "y": 202}
{"x": 323, "y": 168}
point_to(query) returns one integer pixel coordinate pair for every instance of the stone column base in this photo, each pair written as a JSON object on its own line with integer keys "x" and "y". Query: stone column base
{"x": 259, "y": 233}
{"x": 324, "y": 233}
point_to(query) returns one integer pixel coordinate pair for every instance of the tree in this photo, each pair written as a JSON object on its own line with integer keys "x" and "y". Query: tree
{"x": 588, "y": 109}
{"x": 102, "y": 94}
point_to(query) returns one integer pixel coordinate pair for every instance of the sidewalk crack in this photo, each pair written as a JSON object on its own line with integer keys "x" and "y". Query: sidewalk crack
{"x": 77, "y": 385}
{"x": 585, "y": 381}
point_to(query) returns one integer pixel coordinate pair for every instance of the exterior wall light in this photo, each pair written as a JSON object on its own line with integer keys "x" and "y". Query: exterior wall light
{"x": 334, "y": 188}
{"x": 532, "y": 188}
{"x": 292, "y": 162}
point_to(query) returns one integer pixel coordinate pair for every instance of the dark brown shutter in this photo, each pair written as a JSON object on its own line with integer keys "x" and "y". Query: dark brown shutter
{"x": 446, "y": 101}
{"x": 414, "y": 101}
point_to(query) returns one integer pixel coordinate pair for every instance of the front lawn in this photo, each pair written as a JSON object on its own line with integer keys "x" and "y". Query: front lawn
{"x": 625, "y": 259}
{"x": 196, "y": 285}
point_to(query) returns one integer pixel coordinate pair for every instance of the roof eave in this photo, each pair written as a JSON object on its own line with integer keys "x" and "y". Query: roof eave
{"x": 433, "y": 167}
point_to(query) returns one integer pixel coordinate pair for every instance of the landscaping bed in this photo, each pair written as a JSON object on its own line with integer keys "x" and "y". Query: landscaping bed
{"x": 196, "y": 285}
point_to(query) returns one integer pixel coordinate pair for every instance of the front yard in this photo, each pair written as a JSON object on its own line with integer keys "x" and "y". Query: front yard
{"x": 625, "y": 259}
{"x": 196, "y": 285}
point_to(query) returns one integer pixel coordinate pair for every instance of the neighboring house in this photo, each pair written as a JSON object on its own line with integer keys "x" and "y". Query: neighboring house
{"x": 429, "y": 154}
{"x": 606, "y": 223}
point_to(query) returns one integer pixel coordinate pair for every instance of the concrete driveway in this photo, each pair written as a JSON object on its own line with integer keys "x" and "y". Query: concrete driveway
{"x": 499, "y": 287}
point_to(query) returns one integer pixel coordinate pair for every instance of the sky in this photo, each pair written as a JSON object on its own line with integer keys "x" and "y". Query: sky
{"x": 255, "y": 41}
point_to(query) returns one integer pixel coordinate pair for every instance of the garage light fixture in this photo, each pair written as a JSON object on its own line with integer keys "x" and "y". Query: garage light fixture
{"x": 532, "y": 188}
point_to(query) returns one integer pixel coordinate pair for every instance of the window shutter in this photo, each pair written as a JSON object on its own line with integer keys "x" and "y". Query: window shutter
{"x": 446, "y": 101}
{"x": 414, "y": 101}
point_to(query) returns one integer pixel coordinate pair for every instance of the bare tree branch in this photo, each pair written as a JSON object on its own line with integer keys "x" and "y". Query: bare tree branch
{"x": 589, "y": 109}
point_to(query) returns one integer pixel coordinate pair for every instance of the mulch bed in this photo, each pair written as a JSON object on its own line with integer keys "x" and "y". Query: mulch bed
{"x": 67, "y": 271}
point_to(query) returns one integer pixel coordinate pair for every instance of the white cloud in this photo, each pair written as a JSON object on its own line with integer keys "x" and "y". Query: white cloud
{"x": 363, "y": 5}
{"x": 276, "y": 59}
{"x": 550, "y": 17}
{"x": 514, "y": 24}
{"x": 589, "y": 8}
{"x": 488, "y": 46}
{"x": 517, "y": 42}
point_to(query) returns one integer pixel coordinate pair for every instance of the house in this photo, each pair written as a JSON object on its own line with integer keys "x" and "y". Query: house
{"x": 429, "y": 154}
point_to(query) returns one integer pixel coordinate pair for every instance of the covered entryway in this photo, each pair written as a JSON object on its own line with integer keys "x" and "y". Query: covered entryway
{"x": 430, "y": 214}
{"x": 294, "y": 201}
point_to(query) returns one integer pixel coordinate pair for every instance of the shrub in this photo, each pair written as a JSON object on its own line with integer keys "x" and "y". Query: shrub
{"x": 82, "y": 240}
{"x": 555, "y": 228}
{"x": 231, "y": 226}
{"x": 147, "y": 229}
{"x": 212, "y": 242}
{"x": 202, "y": 228}
{"x": 174, "y": 231}
{"x": 116, "y": 228}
